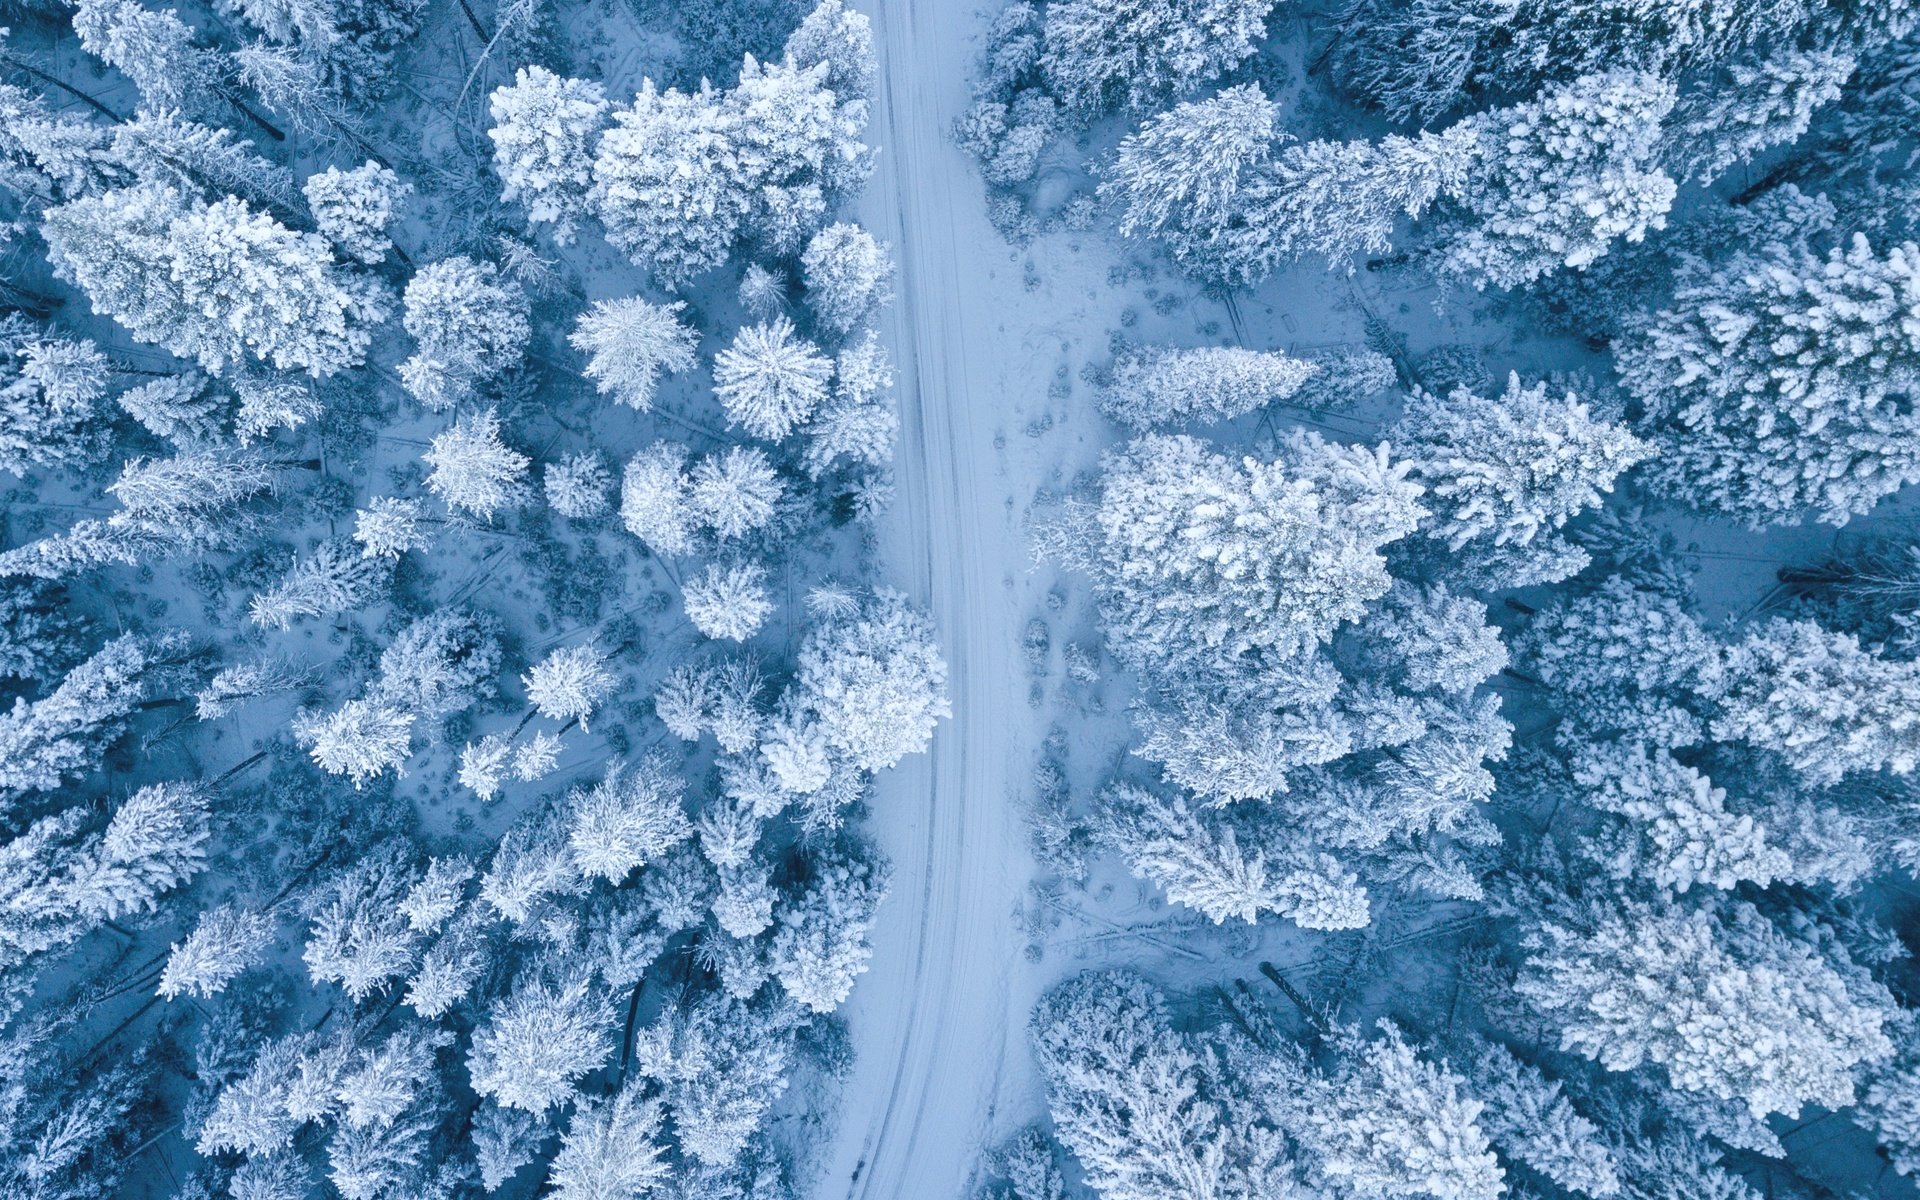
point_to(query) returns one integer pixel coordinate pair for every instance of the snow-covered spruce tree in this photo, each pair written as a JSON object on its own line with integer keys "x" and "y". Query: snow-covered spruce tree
{"x": 218, "y": 283}
{"x": 1165, "y": 386}
{"x": 155, "y": 50}
{"x": 50, "y": 394}
{"x": 1724, "y": 1001}
{"x": 612, "y": 1149}
{"x": 359, "y": 937}
{"x": 537, "y": 1041}
{"x": 1678, "y": 828}
{"x": 770, "y": 380}
{"x": 820, "y": 942}
{"x": 655, "y": 505}
{"x": 1386, "y": 1122}
{"x": 224, "y": 942}
{"x": 543, "y": 132}
{"x": 730, "y": 602}
{"x": 665, "y": 184}
{"x": 1227, "y": 862}
{"x": 180, "y": 408}
{"x": 1529, "y": 1120}
{"x": 579, "y": 487}
{"x": 841, "y": 37}
{"x": 735, "y": 493}
{"x": 875, "y": 679}
{"x": 1504, "y": 475}
{"x": 335, "y": 578}
{"x": 441, "y": 663}
{"x": 1194, "y": 178}
{"x": 473, "y": 470}
{"x": 362, "y": 739}
{"x": 389, "y": 526}
{"x": 568, "y": 684}
{"x": 1106, "y": 54}
{"x": 59, "y": 738}
{"x": 40, "y": 634}
{"x": 630, "y": 343}
{"x": 470, "y": 325}
{"x": 1557, "y": 179}
{"x": 1775, "y": 384}
{"x": 1199, "y": 559}
{"x": 848, "y": 274}
{"x": 721, "y": 1063}
{"x": 632, "y": 817}
{"x": 1826, "y": 704}
{"x": 1137, "y": 1105}
{"x": 1341, "y": 200}
{"x": 354, "y": 209}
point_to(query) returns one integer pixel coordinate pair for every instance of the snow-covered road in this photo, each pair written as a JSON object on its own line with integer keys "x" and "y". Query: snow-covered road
{"x": 938, "y": 1021}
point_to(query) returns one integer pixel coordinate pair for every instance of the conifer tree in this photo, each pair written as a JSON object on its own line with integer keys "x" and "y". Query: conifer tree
{"x": 1106, "y": 54}
{"x": 473, "y": 470}
{"x": 543, "y": 130}
{"x": 770, "y": 380}
{"x": 470, "y": 325}
{"x": 630, "y": 344}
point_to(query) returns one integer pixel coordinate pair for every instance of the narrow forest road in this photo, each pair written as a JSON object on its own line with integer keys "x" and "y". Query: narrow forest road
{"x": 939, "y": 1015}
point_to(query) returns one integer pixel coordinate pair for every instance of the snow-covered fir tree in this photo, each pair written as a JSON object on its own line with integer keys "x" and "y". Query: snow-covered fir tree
{"x": 474, "y": 471}
{"x": 543, "y": 132}
{"x": 469, "y": 326}
{"x": 1208, "y": 383}
{"x": 770, "y": 380}
{"x": 630, "y": 344}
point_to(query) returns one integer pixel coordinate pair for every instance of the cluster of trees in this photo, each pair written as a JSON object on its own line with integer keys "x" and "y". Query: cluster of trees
{"x": 332, "y": 860}
{"x": 1676, "y": 930}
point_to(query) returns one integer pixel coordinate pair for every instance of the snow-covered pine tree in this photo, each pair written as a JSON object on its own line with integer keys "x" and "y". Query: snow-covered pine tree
{"x": 1729, "y": 1004}
{"x": 473, "y": 470}
{"x": 1107, "y": 54}
{"x": 335, "y": 578}
{"x": 543, "y": 131}
{"x": 655, "y": 501}
{"x": 60, "y": 737}
{"x": 1505, "y": 474}
{"x": 730, "y": 601}
{"x": 1193, "y": 178}
{"x": 362, "y": 739}
{"x": 1528, "y": 1119}
{"x": 1131, "y": 1098}
{"x": 389, "y": 526}
{"x": 470, "y": 325}
{"x": 354, "y": 209}
{"x": 1774, "y": 384}
{"x": 440, "y": 664}
{"x": 1822, "y": 701}
{"x": 612, "y": 1150}
{"x": 360, "y": 937}
{"x": 842, "y": 38}
{"x": 537, "y": 1041}
{"x": 1558, "y": 178}
{"x": 848, "y": 274}
{"x": 632, "y": 817}
{"x": 665, "y": 184}
{"x": 630, "y": 343}
{"x": 569, "y": 683}
{"x": 1166, "y": 386}
{"x": 735, "y": 493}
{"x": 225, "y": 941}
{"x": 1229, "y": 862}
{"x": 218, "y": 283}
{"x": 579, "y": 487}
{"x": 770, "y": 379}
{"x": 1386, "y": 1122}
{"x": 876, "y": 680}
{"x": 820, "y": 941}
{"x": 50, "y": 394}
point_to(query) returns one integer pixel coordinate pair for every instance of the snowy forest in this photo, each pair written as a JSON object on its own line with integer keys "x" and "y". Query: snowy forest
{"x": 1065, "y": 600}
